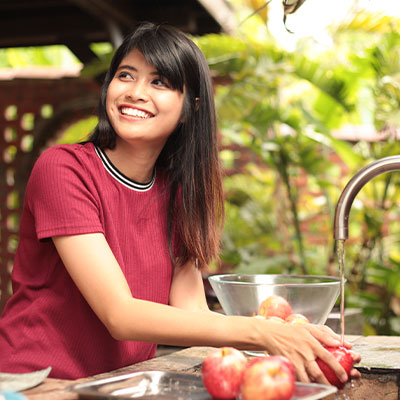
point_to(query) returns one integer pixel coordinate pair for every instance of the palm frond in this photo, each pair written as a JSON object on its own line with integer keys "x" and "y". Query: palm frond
{"x": 325, "y": 80}
{"x": 367, "y": 21}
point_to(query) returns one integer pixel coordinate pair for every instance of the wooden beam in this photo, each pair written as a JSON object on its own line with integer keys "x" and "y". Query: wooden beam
{"x": 105, "y": 10}
{"x": 80, "y": 48}
{"x": 222, "y": 13}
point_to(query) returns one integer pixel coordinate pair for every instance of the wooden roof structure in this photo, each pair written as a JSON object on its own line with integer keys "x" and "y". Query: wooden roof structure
{"x": 78, "y": 23}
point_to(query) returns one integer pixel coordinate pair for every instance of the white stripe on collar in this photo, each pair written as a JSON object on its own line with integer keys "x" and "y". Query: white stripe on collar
{"x": 120, "y": 177}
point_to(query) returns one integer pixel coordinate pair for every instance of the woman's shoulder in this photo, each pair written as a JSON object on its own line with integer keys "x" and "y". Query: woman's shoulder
{"x": 73, "y": 149}
{"x": 58, "y": 160}
{"x": 60, "y": 165}
{"x": 62, "y": 153}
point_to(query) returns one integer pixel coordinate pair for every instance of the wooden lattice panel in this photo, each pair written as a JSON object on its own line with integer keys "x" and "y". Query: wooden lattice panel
{"x": 32, "y": 112}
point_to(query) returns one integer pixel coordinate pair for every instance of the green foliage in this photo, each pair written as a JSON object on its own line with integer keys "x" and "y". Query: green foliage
{"x": 283, "y": 107}
{"x": 79, "y": 131}
{"x": 328, "y": 82}
{"x": 379, "y": 297}
{"x": 97, "y": 67}
{"x": 264, "y": 109}
{"x": 56, "y": 56}
{"x": 385, "y": 61}
{"x": 219, "y": 59}
{"x": 37, "y": 56}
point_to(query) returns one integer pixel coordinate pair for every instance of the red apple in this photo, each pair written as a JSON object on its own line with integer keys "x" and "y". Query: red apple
{"x": 268, "y": 378}
{"x": 298, "y": 319}
{"x": 222, "y": 372}
{"x": 273, "y": 319}
{"x": 344, "y": 358}
{"x": 288, "y": 364}
{"x": 275, "y": 306}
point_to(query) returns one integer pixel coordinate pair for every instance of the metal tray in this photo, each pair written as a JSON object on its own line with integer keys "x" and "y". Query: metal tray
{"x": 171, "y": 386}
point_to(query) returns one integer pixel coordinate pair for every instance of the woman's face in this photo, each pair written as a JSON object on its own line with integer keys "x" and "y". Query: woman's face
{"x": 141, "y": 105}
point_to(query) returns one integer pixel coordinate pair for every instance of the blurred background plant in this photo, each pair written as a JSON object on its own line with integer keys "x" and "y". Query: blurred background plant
{"x": 281, "y": 104}
{"x": 284, "y": 107}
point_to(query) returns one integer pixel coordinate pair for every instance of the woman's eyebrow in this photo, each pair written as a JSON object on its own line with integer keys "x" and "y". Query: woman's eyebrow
{"x": 126, "y": 66}
{"x": 132, "y": 68}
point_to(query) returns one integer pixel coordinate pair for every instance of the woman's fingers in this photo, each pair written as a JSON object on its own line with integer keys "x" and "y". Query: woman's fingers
{"x": 309, "y": 371}
{"x": 355, "y": 374}
{"x": 301, "y": 373}
{"x": 325, "y": 335}
{"x": 329, "y": 359}
{"x": 315, "y": 373}
{"x": 356, "y": 357}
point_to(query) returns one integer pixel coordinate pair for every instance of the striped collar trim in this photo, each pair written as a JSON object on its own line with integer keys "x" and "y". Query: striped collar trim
{"x": 120, "y": 177}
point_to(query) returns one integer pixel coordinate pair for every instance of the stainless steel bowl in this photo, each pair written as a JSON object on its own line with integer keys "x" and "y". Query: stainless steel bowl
{"x": 310, "y": 295}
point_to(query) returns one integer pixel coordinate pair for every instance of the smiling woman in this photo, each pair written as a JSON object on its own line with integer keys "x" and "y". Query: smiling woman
{"x": 115, "y": 231}
{"x": 101, "y": 226}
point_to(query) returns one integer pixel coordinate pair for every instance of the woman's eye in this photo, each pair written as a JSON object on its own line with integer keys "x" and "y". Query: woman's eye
{"x": 160, "y": 82}
{"x": 124, "y": 75}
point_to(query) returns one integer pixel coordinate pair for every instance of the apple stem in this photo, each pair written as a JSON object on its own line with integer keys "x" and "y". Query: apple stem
{"x": 223, "y": 352}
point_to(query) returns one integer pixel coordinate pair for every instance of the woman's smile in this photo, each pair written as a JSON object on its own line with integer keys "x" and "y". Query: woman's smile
{"x": 135, "y": 112}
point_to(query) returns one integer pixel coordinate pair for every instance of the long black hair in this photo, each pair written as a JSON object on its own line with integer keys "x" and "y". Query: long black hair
{"x": 190, "y": 155}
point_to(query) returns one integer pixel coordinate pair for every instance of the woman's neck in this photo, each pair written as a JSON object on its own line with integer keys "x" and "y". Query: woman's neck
{"x": 136, "y": 164}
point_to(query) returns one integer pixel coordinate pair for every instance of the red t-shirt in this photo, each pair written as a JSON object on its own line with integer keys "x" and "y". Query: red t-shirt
{"x": 74, "y": 189}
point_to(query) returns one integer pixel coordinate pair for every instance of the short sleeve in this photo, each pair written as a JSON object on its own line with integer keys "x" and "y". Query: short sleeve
{"x": 61, "y": 196}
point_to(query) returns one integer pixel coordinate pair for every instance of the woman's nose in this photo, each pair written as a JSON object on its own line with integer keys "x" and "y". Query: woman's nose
{"x": 138, "y": 91}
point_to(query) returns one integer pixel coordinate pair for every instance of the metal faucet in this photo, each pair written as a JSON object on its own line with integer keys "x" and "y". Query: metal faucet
{"x": 378, "y": 167}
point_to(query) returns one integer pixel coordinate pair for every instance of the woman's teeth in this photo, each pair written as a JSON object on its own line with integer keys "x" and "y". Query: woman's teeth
{"x": 133, "y": 112}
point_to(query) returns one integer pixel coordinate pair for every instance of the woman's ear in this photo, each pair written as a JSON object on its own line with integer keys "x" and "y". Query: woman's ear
{"x": 187, "y": 106}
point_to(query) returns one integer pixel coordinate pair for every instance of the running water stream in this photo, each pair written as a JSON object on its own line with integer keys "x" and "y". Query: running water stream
{"x": 340, "y": 256}
{"x": 343, "y": 207}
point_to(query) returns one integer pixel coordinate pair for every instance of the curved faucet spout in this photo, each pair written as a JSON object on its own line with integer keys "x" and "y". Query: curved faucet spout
{"x": 378, "y": 167}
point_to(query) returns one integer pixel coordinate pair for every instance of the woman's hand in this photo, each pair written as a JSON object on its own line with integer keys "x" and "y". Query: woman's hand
{"x": 303, "y": 344}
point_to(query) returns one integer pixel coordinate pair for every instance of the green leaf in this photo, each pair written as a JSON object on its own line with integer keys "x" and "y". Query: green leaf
{"x": 324, "y": 79}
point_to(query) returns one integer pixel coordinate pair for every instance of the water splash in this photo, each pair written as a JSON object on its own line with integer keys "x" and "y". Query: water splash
{"x": 341, "y": 396}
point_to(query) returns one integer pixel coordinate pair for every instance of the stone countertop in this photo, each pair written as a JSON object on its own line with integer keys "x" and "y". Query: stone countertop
{"x": 378, "y": 352}
{"x": 380, "y": 369}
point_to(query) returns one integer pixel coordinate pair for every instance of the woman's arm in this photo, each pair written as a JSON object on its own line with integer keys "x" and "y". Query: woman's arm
{"x": 94, "y": 269}
{"x": 187, "y": 289}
